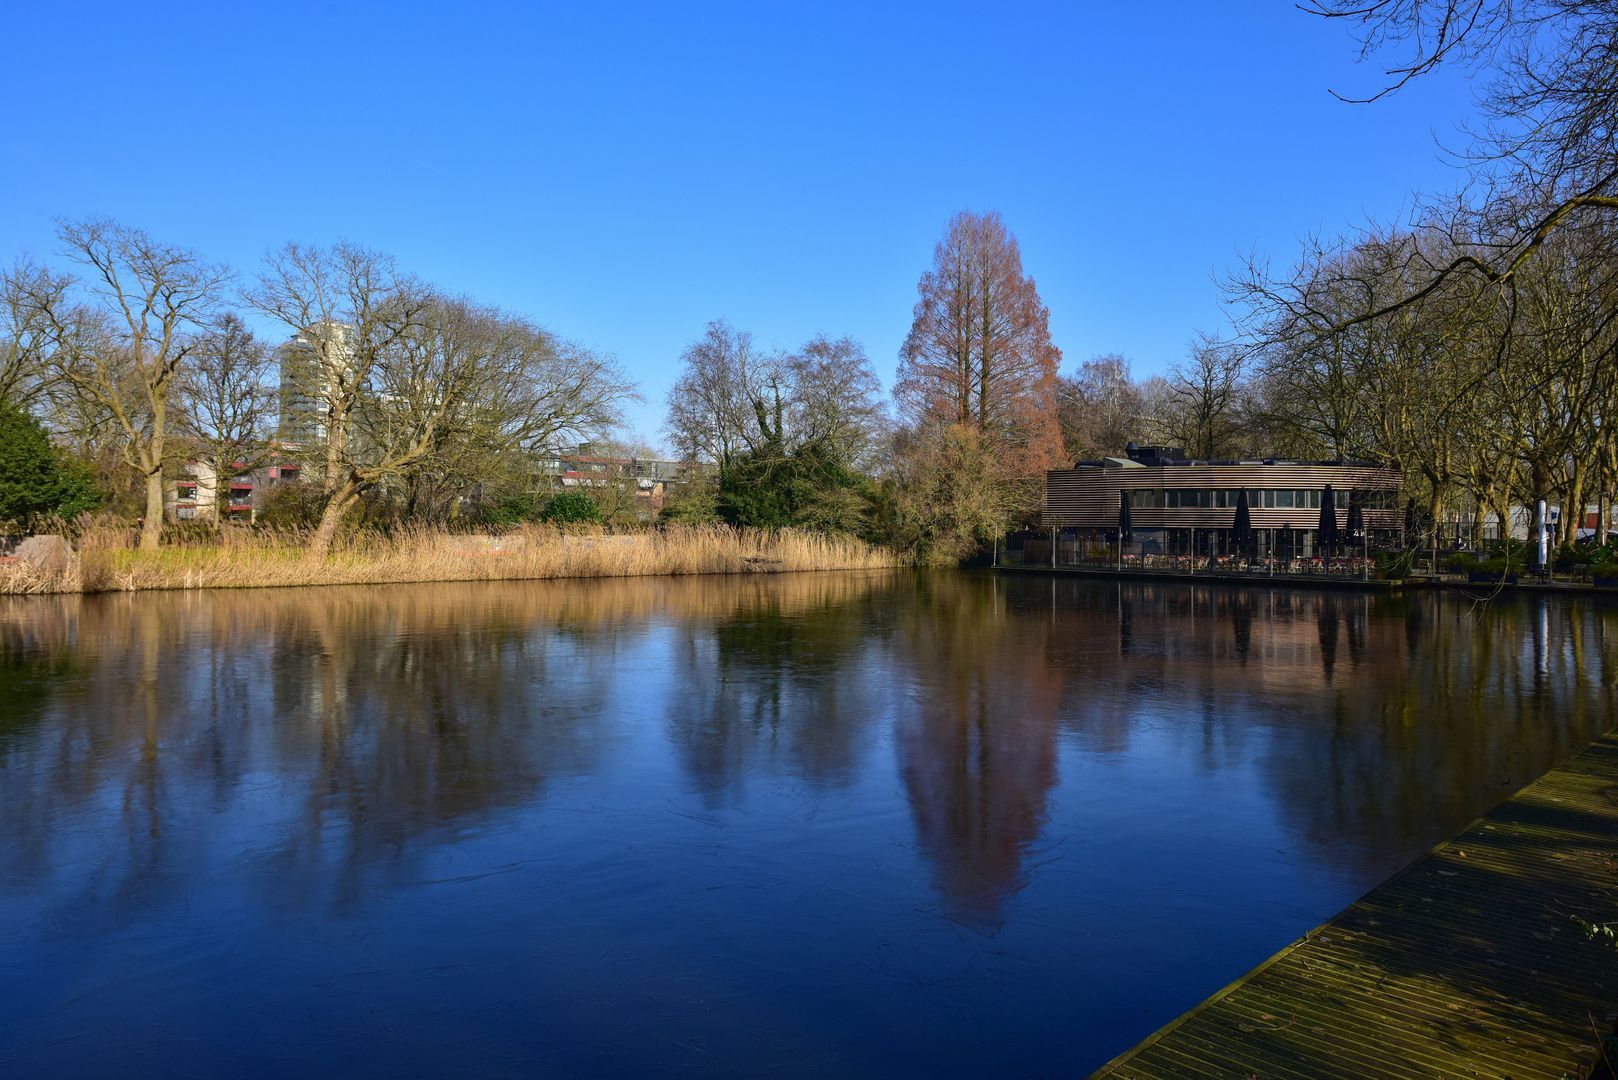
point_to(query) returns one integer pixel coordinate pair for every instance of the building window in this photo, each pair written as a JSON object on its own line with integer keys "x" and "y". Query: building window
{"x": 1145, "y": 498}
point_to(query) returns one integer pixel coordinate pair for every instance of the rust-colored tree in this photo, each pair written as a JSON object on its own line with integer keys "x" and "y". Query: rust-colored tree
{"x": 979, "y": 352}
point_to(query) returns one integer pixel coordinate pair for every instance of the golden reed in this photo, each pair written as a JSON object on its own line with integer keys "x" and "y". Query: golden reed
{"x": 245, "y": 558}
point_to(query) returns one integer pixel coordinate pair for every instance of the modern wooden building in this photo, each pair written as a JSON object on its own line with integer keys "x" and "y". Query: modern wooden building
{"x": 1186, "y": 507}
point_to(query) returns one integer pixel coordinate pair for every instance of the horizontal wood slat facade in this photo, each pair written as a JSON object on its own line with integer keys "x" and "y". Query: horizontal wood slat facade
{"x": 1087, "y": 498}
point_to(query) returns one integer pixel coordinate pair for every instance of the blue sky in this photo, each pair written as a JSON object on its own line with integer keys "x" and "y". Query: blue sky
{"x": 623, "y": 173}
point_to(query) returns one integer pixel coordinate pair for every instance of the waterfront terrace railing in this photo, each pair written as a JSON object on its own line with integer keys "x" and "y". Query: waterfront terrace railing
{"x": 1036, "y": 551}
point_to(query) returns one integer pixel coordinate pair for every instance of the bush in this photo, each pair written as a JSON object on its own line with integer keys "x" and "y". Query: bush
{"x": 36, "y": 479}
{"x": 1513, "y": 562}
{"x": 1393, "y": 564}
{"x": 1463, "y": 563}
{"x": 513, "y": 510}
{"x": 695, "y": 502}
{"x": 291, "y": 506}
{"x": 570, "y": 508}
{"x": 808, "y": 488}
{"x": 1569, "y": 558}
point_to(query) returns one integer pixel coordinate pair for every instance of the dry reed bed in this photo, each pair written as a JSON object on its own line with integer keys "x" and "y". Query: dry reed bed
{"x": 248, "y": 559}
{"x": 21, "y": 579}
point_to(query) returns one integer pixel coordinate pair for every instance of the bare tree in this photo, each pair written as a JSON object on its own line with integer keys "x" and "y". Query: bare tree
{"x": 226, "y": 403}
{"x": 1550, "y": 105}
{"x": 1204, "y": 399}
{"x": 711, "y": 405}
{"x": 122, "y": 336}
{"x": 1100, "y": 408}
{"x": 348, "y": 308}
{"x": 835, "y": 400}
{"x": 28, "y": 293}
{"x": 411, "y": 384}
{"x": 521, "y": 393}
{"x": 351, "y": 311}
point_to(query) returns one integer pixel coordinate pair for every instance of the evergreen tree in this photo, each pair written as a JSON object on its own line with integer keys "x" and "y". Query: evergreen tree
{"x": 36, "y": 480}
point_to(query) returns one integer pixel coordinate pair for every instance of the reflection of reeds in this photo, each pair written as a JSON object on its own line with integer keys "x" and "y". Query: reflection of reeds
{"x": 243, "y": 558}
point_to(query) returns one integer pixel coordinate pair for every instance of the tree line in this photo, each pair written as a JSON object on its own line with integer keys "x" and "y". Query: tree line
{"x": 402, "y": 401}
{"x": 1474, "y": 345}
{"x": 134, "y": 355}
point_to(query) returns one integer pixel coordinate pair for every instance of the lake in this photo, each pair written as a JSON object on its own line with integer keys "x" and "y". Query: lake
{"x": 818, "y": 824}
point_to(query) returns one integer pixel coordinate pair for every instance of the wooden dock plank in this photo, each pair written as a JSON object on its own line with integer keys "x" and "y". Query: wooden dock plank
{"x": 1467, "y": 963}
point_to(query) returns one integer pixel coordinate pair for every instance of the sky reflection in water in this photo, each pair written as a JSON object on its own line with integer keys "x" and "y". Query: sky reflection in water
{"x": 821, "y": 823}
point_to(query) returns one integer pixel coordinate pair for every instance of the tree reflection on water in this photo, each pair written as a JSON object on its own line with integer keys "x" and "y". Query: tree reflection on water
{"x": 778, "y": 789}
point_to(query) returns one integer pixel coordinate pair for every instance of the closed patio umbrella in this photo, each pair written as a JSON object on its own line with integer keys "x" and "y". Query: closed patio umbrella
{"x": 1125, "y": 529}
{"x": 1356, "y": 517}
{"x": 1288, "y": 542}
{"x": 1326, "y": 539}
{"x": 1241, "y": 530}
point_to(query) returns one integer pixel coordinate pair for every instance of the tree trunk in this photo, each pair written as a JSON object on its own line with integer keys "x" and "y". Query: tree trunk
{"x": 1435, "y": 510}
{"x": 336, "y": 435}
{"x": 1573, "y": 514}
{"x": 332, "y": 517}
{"x": 220, "y": 486}
{"x": 151, "y": 529}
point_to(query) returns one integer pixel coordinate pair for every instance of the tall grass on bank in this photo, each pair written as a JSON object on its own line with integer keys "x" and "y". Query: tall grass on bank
{"x": 21, "y": 579}
{"x": 246, "y": 558}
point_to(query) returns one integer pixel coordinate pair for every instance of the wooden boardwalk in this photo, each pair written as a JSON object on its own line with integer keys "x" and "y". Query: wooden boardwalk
{"x": 1468, "y": 963}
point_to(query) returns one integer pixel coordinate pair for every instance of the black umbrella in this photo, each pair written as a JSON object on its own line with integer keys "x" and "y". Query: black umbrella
{"x": 1125, "y": 529}
{"x": 1241, "y": 531}
{"x": 1356, "y": 516}
{"x": 1287, "y": 541}
{"x": 1326, "y": 540}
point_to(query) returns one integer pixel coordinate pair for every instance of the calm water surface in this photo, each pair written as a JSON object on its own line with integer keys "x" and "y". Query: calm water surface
{"x": 816, "y": 824}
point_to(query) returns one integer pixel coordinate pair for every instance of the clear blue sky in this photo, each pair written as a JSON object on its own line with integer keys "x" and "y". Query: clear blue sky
{"x": 624, "y": 173}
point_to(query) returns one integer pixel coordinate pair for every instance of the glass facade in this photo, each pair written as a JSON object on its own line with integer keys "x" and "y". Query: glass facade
{"x": 1257, "y": 498}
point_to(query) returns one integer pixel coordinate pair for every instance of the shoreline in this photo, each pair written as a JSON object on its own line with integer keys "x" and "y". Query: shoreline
{"x": 1322, "y": 581}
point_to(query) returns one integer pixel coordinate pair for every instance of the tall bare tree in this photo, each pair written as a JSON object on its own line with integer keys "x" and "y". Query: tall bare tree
{"x": 835, "y": 400}
{"x": 226, "y": 403}
{"x": 349, "y": 308}
{"x": 122, "y": 335}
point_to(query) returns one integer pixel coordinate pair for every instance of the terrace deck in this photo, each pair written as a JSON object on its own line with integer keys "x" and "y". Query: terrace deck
{"x": 1468, "y": 963}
